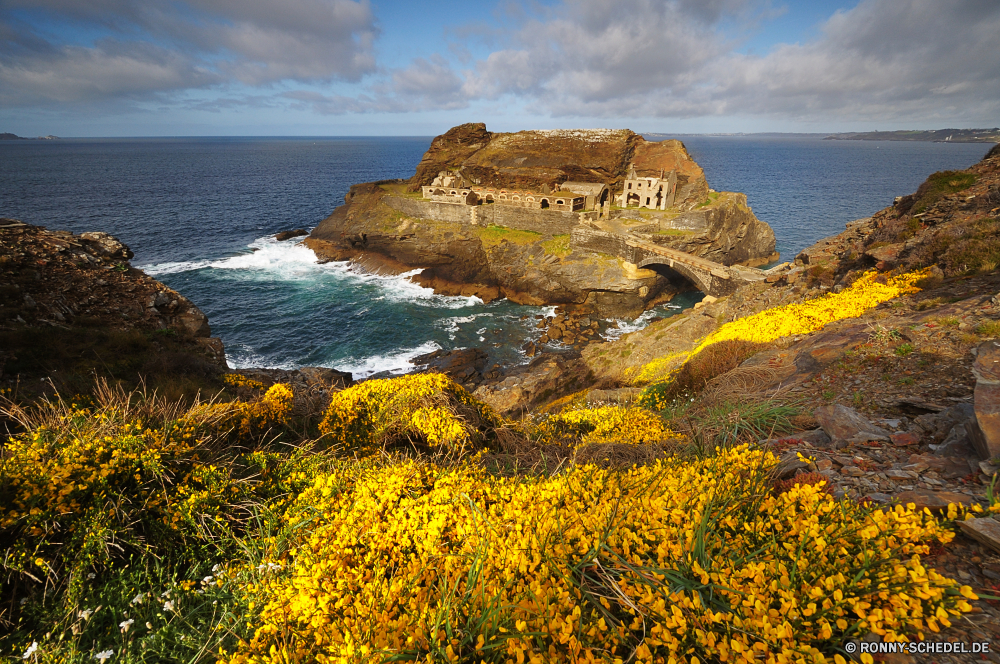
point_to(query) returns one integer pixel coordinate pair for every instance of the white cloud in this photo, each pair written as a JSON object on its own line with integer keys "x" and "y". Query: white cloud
{"x": 919, "y": 60}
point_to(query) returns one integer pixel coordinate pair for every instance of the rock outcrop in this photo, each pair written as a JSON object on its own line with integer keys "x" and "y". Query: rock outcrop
{"x": 525, "y": 255}
{"x": 79, "y": 293}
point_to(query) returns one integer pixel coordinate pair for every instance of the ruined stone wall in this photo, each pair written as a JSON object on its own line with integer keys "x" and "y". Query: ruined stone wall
{"x": 551, "y": 222}
{"x": 547, "y": 222}
{"x": 600, "y": 242}
{"x": 456, "y": 214}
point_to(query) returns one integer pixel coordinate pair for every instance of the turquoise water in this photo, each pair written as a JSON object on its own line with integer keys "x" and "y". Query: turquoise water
{"x": 200, "y": 215}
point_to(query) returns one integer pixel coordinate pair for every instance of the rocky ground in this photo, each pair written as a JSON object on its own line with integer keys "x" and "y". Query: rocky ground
{"x": 891, "y": 402}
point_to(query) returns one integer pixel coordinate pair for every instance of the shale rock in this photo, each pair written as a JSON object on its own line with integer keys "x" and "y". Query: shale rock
{"x": 845, "y": 425}
{"x": 985, "y": 431}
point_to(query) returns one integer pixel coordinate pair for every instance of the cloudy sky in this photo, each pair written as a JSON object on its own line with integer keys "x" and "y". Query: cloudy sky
{"x": 374, "y": 67}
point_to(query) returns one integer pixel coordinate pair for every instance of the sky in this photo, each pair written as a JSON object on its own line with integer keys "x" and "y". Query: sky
{"x": 415, "y": 68}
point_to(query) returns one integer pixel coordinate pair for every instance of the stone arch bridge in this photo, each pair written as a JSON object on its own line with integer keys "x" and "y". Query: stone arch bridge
{"x": 708, "y": 276}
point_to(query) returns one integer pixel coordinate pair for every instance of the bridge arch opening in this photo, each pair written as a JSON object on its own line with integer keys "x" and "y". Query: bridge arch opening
{"x": 677, "y": 281}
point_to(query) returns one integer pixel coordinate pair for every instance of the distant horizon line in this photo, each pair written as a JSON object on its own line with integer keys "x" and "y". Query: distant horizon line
{"x": 51, "y": 137}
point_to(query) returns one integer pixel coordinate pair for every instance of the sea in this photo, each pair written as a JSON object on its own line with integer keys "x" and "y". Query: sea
{"x": 201, "y": 214}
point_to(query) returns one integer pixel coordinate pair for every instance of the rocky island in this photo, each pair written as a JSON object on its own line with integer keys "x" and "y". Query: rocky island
{"x": 601, "y": 222}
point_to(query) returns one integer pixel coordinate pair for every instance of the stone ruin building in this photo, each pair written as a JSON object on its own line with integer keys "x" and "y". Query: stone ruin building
{"x": 453, "y": 188}
{"x": 648, "y": 192}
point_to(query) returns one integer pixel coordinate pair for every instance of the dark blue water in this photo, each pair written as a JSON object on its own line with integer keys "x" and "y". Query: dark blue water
{"x": 807, "y": 188}
{"x": 192, "y": 210}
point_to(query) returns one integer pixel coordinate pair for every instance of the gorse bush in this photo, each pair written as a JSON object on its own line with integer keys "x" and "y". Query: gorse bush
{"x": 667, "y": 562}
{"x": 605, "y": 425}
{"x": 770, "y": 325}
{"x": 429, "y": 409}
{"x": 89, "y": 489}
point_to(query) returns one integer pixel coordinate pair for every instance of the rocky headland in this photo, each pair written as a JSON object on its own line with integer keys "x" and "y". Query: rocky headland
{"x": 533, "y": 256}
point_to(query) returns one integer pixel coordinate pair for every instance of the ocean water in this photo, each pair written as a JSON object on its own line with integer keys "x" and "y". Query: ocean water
{"x": 200, "y": 215}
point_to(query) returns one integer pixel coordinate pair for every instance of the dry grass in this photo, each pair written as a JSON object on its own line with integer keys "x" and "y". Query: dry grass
{"x": 737, "y": 383}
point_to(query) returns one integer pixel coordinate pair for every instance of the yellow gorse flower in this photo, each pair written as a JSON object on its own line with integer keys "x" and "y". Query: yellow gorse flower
{"x": 669, "y": 561}
{"x": 608, "y": 424}
{"x": 801, "y": 318}
{"x": 429, "y": 407}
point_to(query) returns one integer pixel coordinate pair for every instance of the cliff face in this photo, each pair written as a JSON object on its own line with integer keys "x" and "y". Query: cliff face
{"x": 448, "y": 151}
{"x": 525, "y": 255}
{"x": 72, "y": 304}
{"x": 725, "y": 231}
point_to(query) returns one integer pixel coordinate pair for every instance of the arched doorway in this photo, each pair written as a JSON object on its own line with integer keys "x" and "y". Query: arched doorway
{"x": 545, "y": 203}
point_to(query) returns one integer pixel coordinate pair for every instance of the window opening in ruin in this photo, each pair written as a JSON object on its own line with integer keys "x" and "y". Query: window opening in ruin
{"x": 545, "y": 203}
{"x": 647, "y": 200}
{"x": 559, "y": 202}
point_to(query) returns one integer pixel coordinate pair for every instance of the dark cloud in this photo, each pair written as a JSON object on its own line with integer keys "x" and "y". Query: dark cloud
{"x": 162, "y": 45}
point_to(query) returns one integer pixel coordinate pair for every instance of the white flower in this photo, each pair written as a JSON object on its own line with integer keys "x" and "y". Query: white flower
{"x": 138, "y": 598}
{"x": 125, "y": 625}
{"x": 91, "y": 575}
{"x": 31, "y": 650}
{"x": 207, "y": 580}
{"x": 168, "y": 605}
{"x": 24, "y": 600}
{"x": 165, "y": 593}
{"x": 216, "y": 567}
{"x": 85, "y": 614}
{"x": 149, "y": 625}
{"x": 104, "y": 655}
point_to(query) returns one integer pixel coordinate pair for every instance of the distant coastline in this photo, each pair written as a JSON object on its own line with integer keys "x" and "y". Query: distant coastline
{"x": 935, "y": 135}
{"x": 6, "y": 136}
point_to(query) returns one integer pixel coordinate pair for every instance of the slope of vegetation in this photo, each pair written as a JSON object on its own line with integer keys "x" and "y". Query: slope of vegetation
{"x": 415, "y": 523}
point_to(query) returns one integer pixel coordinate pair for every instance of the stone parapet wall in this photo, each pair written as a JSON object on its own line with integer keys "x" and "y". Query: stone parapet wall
{"x": 547, "y": 222}
{"x": 449, "y": 212}
{"x": 550, "y": 222}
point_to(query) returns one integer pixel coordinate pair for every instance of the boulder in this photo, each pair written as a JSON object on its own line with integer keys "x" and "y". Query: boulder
{"x": 886, "y": 256}
{"x": 957, "y": 442}
{"x": 816, "y": 438}
{"x": 985, "y": 530}
{"x": 788, "y": 465}
{"x": 107, "y": 245}
{"x": 904, "y": 439}
{"x": 947, "y": 467}
{"x": 463, "y": 365}
{"x": 288, "y": 235}
{"x": 984, "y": 430}
{"x": 193, "y": 322}
{"x": 935, "y": 501}
{"x": 845, "y": 426}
